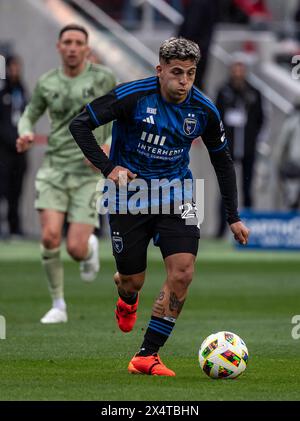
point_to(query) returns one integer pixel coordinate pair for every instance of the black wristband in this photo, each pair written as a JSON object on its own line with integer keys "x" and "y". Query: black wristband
{"x": 233, "y": 219}
{"x": 107, "y": 169}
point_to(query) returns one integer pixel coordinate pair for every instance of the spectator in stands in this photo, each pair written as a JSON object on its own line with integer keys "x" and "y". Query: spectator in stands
{"x": 287, "y": 159}
{"x": 12, "y": 164}
{"x": 200, "y": 17}
{"x": 240, "y": 105}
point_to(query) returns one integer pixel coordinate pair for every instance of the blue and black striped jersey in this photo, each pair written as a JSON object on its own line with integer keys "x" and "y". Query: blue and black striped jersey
{"x": 152, "y": 137}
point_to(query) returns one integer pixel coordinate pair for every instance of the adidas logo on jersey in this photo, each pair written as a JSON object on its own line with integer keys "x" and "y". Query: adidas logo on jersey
{"x": 151, "y": 138}
{"x": 149, "y": 120}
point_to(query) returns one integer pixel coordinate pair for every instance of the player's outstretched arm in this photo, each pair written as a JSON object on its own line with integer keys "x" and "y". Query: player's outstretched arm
{"x": 225, "y": 172}
{"x": 215, "y": 140}
{"x": 33, "y": 111}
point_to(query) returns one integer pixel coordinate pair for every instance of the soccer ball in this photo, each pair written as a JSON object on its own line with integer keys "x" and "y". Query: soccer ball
{"x": 223, "y": 355}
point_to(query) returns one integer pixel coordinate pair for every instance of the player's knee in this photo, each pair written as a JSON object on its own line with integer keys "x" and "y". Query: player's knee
{"x": 117, "y": 278}
{"x": 181, "y": 278}
{"x": 51, "y": 239}
{"x": 77, "y": 250}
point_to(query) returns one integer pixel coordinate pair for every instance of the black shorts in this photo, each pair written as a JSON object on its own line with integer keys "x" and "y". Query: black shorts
{"x": 131, "y": 235}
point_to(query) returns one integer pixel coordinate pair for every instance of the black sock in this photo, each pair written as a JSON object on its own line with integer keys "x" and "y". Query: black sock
{"x": 156, "y": 335}
{"x": 130, "y": 298}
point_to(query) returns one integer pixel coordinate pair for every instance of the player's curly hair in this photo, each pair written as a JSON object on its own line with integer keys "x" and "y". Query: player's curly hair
{"x": 179, "y": 48}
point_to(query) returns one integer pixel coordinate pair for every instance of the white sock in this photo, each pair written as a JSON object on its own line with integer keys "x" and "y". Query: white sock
{"x": 59, "y": 303}
{"x": 89, "y": 252}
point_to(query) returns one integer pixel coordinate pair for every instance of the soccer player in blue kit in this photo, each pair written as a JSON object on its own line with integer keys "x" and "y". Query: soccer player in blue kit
{"x": 155, "y": 122}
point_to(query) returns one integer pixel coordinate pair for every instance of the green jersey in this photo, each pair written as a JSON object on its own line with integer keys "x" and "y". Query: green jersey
{"x": 64, "y": 97}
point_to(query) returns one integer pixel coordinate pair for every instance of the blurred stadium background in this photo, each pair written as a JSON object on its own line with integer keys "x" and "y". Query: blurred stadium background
{"x": 253, "y": 293}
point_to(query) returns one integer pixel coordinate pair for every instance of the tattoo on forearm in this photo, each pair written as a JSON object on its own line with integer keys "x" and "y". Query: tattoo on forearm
{"x": 175, "y": 304}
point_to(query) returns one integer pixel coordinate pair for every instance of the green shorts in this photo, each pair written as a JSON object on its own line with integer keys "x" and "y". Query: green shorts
{"x": 73, "y": 194}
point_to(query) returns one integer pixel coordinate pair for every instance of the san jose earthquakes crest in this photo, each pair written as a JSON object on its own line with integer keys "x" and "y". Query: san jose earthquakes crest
{"x": 117, "y": 243}
{"x": 189, "y": 125}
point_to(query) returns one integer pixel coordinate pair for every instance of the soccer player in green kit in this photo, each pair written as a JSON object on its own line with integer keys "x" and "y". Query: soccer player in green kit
{"x": 66, "y": 182}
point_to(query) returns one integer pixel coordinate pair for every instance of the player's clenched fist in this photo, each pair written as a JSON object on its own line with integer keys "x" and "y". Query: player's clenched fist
{"x": 121, "y": 176}
{"x": 24, "y": 142}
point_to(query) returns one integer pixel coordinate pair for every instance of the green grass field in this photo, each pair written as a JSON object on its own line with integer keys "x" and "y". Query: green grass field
{"x": 252, "y": 294}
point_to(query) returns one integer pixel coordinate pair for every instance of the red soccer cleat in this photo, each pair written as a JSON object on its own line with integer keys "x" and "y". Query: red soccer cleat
{"x": 151, "y": 365}
{"x": 126, "y": 315}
